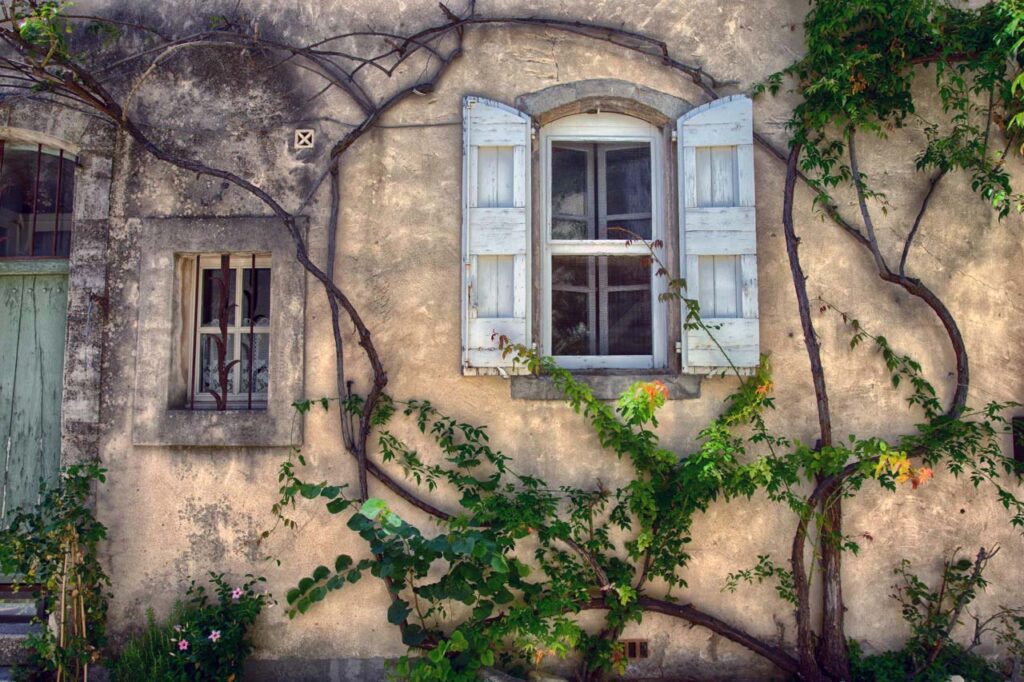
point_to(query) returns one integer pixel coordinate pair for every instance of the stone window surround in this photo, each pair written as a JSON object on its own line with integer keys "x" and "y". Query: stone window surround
{"x": 661, "y": 110}
{"x": 172, "y": 243}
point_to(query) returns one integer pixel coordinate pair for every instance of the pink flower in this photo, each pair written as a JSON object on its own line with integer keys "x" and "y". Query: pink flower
{"x": 236, "y": 593}
{"x": 183, "y": 645}
{"x": 214, "y": 636}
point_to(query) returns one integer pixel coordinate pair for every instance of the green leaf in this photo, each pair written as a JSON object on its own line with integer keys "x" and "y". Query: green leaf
{"x": 338, "y": 505}
{"x": 342, "y": 562}
{"x": 398, "y": 611}
{"x": 413, "y": 635}
{"x": 321, "y": 572}
{"x": 373, "y": 508}
{"x": 458, "y": 641}
{"x": 499, "y": 564}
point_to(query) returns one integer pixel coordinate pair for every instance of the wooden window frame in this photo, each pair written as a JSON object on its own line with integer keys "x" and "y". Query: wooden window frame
{"x": 603, "y": 128}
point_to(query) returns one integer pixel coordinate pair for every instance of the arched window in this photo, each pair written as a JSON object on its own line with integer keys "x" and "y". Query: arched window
{"x": 602, "y": 208}
{"x": 37, "y": 189}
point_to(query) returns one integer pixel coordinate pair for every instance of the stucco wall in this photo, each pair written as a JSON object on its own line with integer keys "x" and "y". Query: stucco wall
{"x": 175, "y": 513}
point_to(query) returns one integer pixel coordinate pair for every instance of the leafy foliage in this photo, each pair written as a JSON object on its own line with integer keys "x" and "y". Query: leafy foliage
{"x": 858, "y": 72}
{"x": 146, "y": 656}
{"x": 930, "y": 652}
{"x": 51, "y": 549}
{"x": 211, "y": 642}
{"x": 472, "y": 595}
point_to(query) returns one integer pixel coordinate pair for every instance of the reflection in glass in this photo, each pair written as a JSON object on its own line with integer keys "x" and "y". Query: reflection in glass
{"x": 256, "y": 295}
{"x": 601, "y": 191}
{"x": 209, "y": 363}
{"x": 260, "y": 363}
{"x": 214, "y": 300}
{"x": 628, "y": 173}
{"x": 36, "y": 201}
{"x": 601, "y": 305}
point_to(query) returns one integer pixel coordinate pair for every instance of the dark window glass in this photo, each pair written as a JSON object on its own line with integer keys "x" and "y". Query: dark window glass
{"x": 36, "y": 201}
{"x": 256, "y": 296}
{"x": 214, "y": 300}
{"x": 600, "y": 191}
{"x": 601, "y": 305}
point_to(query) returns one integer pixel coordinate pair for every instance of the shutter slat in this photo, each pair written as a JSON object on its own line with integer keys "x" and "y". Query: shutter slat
{"x": 718, "y": 233}
{"x": 496, "y": 238}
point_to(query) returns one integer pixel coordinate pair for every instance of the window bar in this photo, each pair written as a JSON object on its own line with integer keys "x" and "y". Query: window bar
{"x": 252, "y": 317}
{"x": 56, "y": 215}
{"x": 35, "y": 202}
{"x": 226, "y": 305}
{"x": 195, "y": 336}
{"x": 3, "y": 144}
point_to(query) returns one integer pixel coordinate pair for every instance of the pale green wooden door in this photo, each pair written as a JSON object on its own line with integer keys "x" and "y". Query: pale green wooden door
{"x": 33, "y": 319}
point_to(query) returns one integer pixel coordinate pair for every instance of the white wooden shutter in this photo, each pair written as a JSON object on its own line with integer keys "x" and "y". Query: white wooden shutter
{"x": 495, "y": 233}
{"x": 718, "y": 233}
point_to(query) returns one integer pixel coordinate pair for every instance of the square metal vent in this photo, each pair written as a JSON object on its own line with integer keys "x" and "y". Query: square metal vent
{"x": 304, "y": 138}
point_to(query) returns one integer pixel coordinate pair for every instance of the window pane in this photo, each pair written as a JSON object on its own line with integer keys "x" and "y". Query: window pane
{"x": 629, "y": 323}
{"x": 17, "y": 184}
{"x": 628, "y": 174}
{"x": 67, "y": 206}
{"x": 572, "y": 271}
{"x": 256, "y": 296}
{"x": 629, "y": 229}
{"x": 260, "y": 363}
{"x": 601, "y": 305}
{"x": 568, "y": 182}
{"x": 44, "y": 240}
{"x": 217, "y": 299}
{"x": 629, "y": 271}
{"x": 210, "y": 363}
{"x": 566, "y": 228}
{"x": 571, "y": 332}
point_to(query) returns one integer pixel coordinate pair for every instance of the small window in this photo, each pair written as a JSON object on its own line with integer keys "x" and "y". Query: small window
{"x": 231, "y": 345}
{"x": 37, "y": 186}
{"x": 601, "y": 206}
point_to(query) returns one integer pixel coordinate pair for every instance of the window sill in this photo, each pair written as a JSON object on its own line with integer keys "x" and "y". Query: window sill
{"x": 607, "y": 385}
{"x": 222, "y": 428}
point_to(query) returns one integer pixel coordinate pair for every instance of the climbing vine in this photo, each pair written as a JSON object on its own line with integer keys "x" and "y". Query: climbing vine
{"x": 500, "y": 581}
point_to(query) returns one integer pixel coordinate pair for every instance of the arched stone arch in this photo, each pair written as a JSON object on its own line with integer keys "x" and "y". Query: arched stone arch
{"x": 602, "y": 95}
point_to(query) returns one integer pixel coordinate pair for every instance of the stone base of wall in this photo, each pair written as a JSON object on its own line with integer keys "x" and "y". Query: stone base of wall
{"x": 324, "y": 670}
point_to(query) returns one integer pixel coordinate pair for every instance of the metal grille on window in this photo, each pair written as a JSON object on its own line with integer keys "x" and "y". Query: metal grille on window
{"x": 231, "y": 348}
{"x": 37, "y": 186}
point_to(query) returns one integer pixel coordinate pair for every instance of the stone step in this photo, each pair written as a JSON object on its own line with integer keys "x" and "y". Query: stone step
{"x": 12, "y": 642}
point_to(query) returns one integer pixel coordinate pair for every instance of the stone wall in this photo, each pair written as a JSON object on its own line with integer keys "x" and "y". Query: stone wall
{"x": 176, "y": 512}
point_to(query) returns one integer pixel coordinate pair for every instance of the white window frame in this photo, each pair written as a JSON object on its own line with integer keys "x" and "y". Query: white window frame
{"x": 605, "y": 128}
{"x": 239, "y": 262}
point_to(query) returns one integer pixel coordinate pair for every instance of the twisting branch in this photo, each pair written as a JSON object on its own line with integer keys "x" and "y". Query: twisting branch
{"x": 917, "y": 221}
{"x": 805, "y": 635}
{"x": 858, "y": 183}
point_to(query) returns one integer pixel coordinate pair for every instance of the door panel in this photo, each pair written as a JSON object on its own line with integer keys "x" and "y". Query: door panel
{"x": 33, "y": 319}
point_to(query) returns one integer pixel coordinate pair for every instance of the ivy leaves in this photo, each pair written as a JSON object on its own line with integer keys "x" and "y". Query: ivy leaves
{"x": 861, "y": 59}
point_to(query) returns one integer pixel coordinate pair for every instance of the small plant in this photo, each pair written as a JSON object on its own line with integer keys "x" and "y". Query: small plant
{"x": 51, "y": 548}
{"x": 930, "y": 654}
{"x": 146, "y": 656}
{"x": 212, "y": 641}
